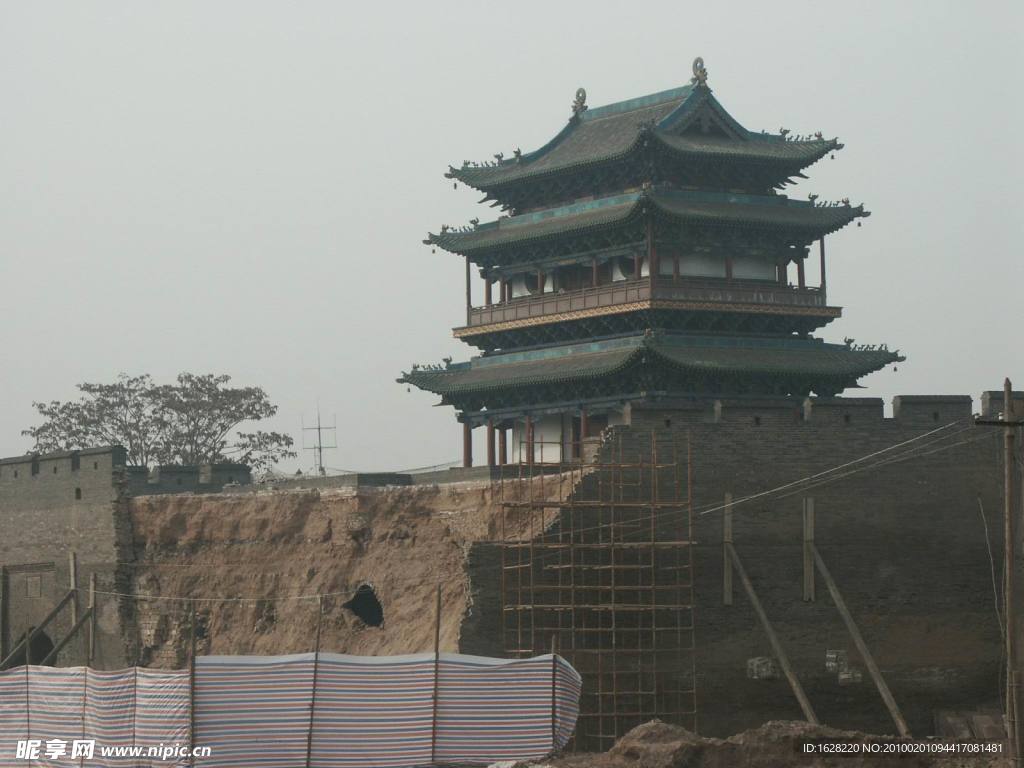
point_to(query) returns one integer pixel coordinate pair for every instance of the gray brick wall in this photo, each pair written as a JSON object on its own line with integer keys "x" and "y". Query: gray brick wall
{"x": 55, "y": 504}
{"x": 905, "y": 541}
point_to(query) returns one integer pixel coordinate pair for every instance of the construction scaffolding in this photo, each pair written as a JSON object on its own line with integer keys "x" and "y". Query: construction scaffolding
{"x": 597, "y": 562}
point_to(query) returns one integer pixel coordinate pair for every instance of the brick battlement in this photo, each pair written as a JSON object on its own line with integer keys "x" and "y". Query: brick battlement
{"x": 907, "y": 410}
{"x": 101, "y": 473}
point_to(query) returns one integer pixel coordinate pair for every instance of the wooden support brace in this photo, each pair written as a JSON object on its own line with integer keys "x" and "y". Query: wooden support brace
{"x": 27, "y": 642}
{"x": 726, "y": 557}
{"x": 862, "y": 647}
{"x": 808, "y": 536}
{"x": 92, "y": 619}
{"x": 73, "y": 585}
{"x": 777, "y": 650}
{"x": 316, "y": 670}
{"x": 52, "y": 655}
{"x": 437, "y": 672}
{"x": 191, "y": 681}
{"x": 3, "y": 611}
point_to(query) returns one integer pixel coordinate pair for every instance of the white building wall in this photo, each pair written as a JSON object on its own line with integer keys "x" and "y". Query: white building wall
{"x": 702, "y": 265}
{"x": 752, "y": 268}
{"x": 618, "y": 275}
{"x": 549, "y": 443}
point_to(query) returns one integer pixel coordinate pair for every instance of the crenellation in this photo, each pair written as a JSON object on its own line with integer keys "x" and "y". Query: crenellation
{"x": 931, "y": 409}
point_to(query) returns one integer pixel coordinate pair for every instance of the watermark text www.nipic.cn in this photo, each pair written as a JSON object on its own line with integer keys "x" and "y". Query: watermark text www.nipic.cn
{"x": 60, "y": 749}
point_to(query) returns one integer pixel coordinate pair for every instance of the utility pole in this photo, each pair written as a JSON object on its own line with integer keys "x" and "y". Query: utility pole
{"x": 1008, "y": 425}
{"x": 318, "y": 448}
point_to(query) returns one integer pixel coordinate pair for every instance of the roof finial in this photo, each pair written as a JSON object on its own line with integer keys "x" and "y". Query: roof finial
{"x": 580, "y": 104}
{"x": 700, "y": 74}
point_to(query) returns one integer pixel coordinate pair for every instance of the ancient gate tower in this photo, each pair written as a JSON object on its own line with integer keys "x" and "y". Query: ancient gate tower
{"x": 645, "y": 254}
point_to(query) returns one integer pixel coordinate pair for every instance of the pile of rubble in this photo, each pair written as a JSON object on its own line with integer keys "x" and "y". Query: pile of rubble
{"x": 775, "y": 744}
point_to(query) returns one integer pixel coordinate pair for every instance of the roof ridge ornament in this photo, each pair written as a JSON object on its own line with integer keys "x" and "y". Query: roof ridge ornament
{"x": 700, "y": 73}
{"x": 579, "y": 104}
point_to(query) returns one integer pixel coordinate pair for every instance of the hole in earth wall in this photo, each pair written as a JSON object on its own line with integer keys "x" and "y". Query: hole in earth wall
{"x": 366, "y": 606}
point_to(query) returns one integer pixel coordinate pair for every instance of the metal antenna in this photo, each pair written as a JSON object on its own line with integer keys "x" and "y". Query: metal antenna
{"x": 318, "y": 448}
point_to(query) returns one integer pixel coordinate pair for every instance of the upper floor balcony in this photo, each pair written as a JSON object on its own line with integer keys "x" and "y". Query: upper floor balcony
{"x": 722, "y": 295}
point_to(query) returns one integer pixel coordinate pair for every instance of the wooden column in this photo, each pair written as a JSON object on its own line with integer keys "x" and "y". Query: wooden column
{"x": 637, "y": 262}
{"x": 501, "y": 291}
{"x": 541, "y": 277}
{"x": 652, "y": 253}
{"x": 502, "y": 446}
{"x": 780, "y": 273}
{"x": 490, "y": 443}
{"x": 529, "y": 440}
{"x": 808, "y": 515}
{"x": 469, "y": 301}
{"x": 73, "y": 585}
{"x": 800, "y": 273}
{"x": 675, "y": 267}
{"x": 92, "y": 620}
{"x": 821, "y": 262}
{"x": 726, "y": 556}
{"x": 3, "y": 612}
{"x": 467, "y": 444}
{"x": 487, "y": 292}
{"x": 435, "y": 696}
{"x": 728, "y": 267}
{"x": 593, "y": 272}
{"x": 584, "y": 424}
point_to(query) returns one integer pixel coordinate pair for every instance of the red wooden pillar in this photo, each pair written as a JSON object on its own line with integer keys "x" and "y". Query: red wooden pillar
{"x": 637, "y": 263}
{"x": 652, "y": 253}
{"x": 502, "y": 446}
{"x": 467, "y": 444}
{"x": 490, "y": 443}
{"x": 469, "y": 306}
{"x": 487, "y": 291}
{"x": 501, "y": 291}
{"x": 821, "y": 256}
{"x": 541, "y": 278}
{"x": 728, "y": 267}
{"x": 800, "y": 273}
{"x": 593, "y": 272}
{"x": 675, "y": 267}
{"x": 584, "y": 424}
{"x": 780, "y": 273}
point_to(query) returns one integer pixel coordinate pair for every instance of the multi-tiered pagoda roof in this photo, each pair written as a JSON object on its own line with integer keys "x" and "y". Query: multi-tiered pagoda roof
{"x": 646, "y": 251}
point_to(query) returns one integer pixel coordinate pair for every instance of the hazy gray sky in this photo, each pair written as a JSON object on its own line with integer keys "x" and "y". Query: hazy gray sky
{"x": 242, "y": 187}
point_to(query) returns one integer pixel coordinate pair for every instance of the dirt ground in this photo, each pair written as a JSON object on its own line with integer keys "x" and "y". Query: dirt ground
{"x": 251, "y": 561}
{"x": 776, "y": 744}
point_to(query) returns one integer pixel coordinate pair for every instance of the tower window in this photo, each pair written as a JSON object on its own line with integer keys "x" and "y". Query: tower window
{"x": 846, "y": 418}
{"x": 935, "y": 416}
{"x": 35, "y": 466}
{"x": 76, "y": 462}
{"x": 78, "y": 494}
{"x": 757, "y": 421}
{"x": 55, "y": 469}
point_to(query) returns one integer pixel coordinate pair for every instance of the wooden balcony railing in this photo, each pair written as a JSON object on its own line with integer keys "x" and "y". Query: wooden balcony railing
{"x": 630, "y": 291}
